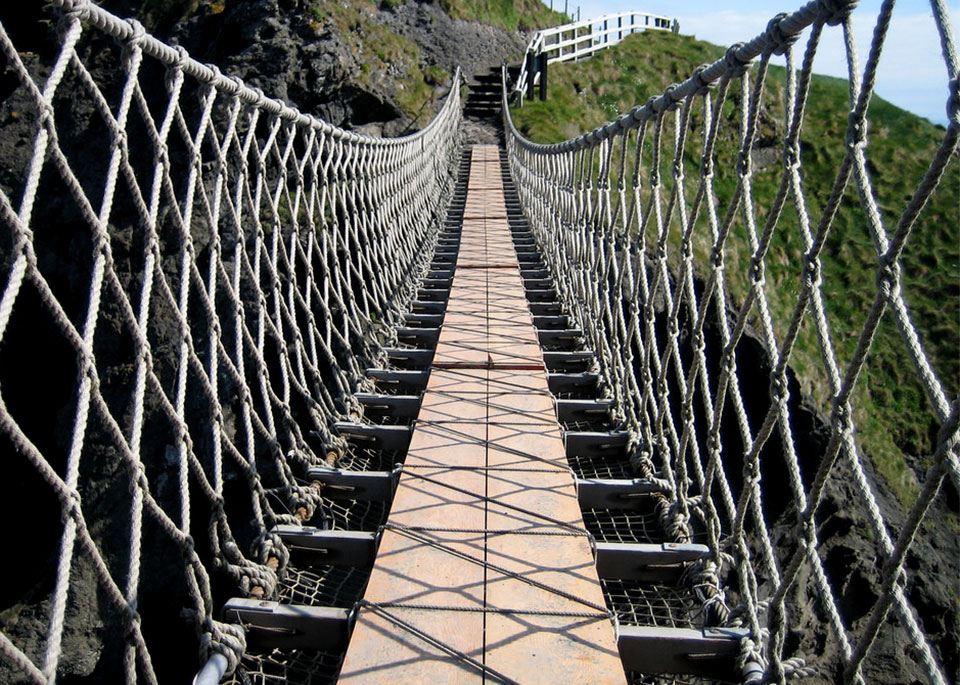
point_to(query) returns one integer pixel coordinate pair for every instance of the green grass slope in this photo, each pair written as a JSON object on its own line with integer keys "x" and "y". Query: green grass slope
{"x": 513, "y": 15}
{"x": 894, "y": 419}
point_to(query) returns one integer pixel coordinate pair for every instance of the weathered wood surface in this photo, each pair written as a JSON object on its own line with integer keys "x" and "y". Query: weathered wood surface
{"x": 486, "y": 467}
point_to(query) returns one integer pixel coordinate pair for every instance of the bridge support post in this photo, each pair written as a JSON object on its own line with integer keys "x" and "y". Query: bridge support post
{"x": 542, "y": 68}
{"x": 531, "y": 74}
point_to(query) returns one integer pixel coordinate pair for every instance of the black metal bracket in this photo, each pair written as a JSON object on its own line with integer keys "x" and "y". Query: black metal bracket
{"x": 355, "y": 485}
{"x": 270, "y": 625}
{"x": 639, "y": 561}
{"x": 709, "y": 652}
{"x": 332, "y": 547}
{"x": 595, "y": 444}
{"x": 610, "y": 493}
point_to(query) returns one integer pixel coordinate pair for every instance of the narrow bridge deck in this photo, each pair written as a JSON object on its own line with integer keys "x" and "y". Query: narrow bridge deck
{"x": 484, "y": 570}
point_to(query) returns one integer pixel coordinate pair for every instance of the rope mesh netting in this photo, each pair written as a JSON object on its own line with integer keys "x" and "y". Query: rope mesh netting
{"x": 643, "y": 260}
{"x": 195, "y": 278}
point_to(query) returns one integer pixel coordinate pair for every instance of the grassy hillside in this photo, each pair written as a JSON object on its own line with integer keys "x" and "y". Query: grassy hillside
{"x": 514, "y": 15}
{"x": 894, "y": 419}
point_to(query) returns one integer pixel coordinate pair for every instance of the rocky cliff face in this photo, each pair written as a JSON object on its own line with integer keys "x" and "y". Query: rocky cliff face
{"x": 379, "y": 67}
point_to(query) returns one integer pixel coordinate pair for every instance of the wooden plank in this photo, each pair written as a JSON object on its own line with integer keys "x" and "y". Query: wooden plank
{"x": 549, "y": 649}
{"x": 382, "y": 651}
{"x": 486, "y": 466}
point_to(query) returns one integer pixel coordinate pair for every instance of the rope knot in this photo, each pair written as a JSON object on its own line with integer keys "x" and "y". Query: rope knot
{"x": 666, "y": 102}
{"x": 756, "y": 270}
{"x": 713, "y": 443}
{"x": 703, "y": 85}
{"x": 716, "y": 257}
{"x": 662, "y": 386}
{"x": 856, "y": 131}
{"x": 888, "y": 276}
{"x": 138, "y": 34}
{"x": 699, "y": 342}
{"x": 735, "y": 65}
{"x": 237, "y": 84}
{"x": 728, "y": 360}
{"x": 791, "y": 156}
{"x": 841, "y": 418}
{"x": 811, "y": 271}
{"x": 47, "y": 117}
{"x": 225, "y": 639}
{"x": 751, "y": 471}
{"x": 750, "y": 660}
{"x": 836, "y": 11}
{"x": 674, "y": 327}
{"x": 74, "y": 10}
{"x": 743, "y": 163}
{"x": 953, "y": 102}
{"x": 809, "y": 531}
{"x": 640, "y": 112}
{"x": 778, "y": 388}
{"x": 72, "y": 508}
{"x": 706, "y": 166}
{"x": 271, "y": 546}
{"x": 182, "y": 57}
{"x": 778, "y": 40}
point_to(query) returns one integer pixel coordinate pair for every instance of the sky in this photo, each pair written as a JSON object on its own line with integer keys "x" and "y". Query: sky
{"x": 912, "y": 72}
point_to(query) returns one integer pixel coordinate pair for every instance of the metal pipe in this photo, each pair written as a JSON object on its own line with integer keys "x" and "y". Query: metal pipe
{"x": 212, "y": 671}
{"x": 752, "y": 673}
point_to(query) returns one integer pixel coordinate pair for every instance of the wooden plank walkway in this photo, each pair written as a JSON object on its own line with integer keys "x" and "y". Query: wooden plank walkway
{"x": 483, "y": 571}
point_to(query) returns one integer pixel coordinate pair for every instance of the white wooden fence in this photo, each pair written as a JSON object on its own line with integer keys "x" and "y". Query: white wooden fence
{"x": 581, "y": 39}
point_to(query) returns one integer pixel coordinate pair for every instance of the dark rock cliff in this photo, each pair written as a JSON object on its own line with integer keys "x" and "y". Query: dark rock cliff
{"x": 382, "y": 68}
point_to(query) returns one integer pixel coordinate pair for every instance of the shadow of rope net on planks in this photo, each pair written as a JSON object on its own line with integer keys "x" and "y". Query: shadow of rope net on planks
{"x": 194, "y": 278}
{"x": 666, "y": 275}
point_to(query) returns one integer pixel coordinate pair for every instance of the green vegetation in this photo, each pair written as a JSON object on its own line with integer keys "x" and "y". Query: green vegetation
{"x": 893, "y": 417}
{"x": 513, "y": 15}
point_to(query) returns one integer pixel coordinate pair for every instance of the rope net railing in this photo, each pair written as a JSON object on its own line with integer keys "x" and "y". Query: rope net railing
{"x": 643, "y": 258}
{"x": 195, "y": 278}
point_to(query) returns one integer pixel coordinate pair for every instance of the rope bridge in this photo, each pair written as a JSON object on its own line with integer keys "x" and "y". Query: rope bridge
{"x": 622, "y": 242}
{"x": 234, "y": 268}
